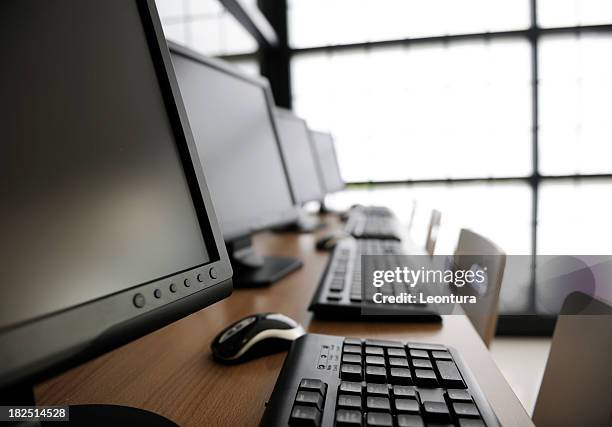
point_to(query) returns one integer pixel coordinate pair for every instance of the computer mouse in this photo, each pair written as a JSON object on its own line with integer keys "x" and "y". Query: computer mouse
{"x": 327, "y": 243}
{"x": 255, "y": 336}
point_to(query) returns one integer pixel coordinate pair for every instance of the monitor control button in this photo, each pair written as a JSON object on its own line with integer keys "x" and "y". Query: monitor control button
{"x": 212, "y": 273}
{"x": 200, "y": 278}
{"x": 157, "y": 293}
{"x": 139, "y": 300}
{"x": 187, "y": 282}
{"x": 172, "y": 287}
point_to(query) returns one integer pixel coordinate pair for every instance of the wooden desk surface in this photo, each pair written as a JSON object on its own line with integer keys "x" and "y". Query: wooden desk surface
{"x": 171, "y": 371}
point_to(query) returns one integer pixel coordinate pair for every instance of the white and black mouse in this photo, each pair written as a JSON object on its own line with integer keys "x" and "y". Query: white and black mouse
{"x": 255, "y": 336}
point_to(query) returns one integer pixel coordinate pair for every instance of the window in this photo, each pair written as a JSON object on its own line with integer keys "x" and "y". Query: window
{"x": 575, "y": 104}
{"x": 569, "y": 13}
{"x": 463, "y": 106}
{"x": 340, "y": 22}
{"x": 205, "y": 26}
{"x": 574, "y": 217}
{"x": 481, "y": 207}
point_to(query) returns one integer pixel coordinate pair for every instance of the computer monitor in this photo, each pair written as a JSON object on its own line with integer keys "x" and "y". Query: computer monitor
{"x": 233, "y": 124}
{"x": 298, "y": 153}
{"x": 327, "y": 161}
{"x": 107, "y": 225}
{"x": 302, "y": 168}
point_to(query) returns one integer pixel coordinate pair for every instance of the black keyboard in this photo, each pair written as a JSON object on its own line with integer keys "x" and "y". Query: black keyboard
{"x": 339, "y": 294}
{"x": 333, "y": 381}
{"x": 376, "y": 210}
{"x": 363, "y": 225}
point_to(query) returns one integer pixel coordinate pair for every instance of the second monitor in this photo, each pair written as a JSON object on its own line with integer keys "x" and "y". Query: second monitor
{"x": 233, "y": 125}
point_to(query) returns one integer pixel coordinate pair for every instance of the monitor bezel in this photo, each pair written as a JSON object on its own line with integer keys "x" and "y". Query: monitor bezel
{"x": 41, "y": 347}
{"x": 290, "y": 115}
{"x": 290, "y": 214}
{"x": 343, "y": 185}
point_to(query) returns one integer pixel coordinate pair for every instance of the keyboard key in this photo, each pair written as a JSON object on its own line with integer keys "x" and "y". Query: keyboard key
{"x": 398, "y": 361}
{"x": 422, "y": 364}
{"x": 463, "y": 422}
{"x": 384, "y": 343}
{"x": 378, "y": 404}
{"x": 396, "y": 352}
{"x": 419, "y": 353}
{"x": 305, "y": 416}
{"x": 336, "y": 286}
{"x": 349, "y": 401}
{"x": 352, "y": 341}
{"x": 334, "y": 297}
{"x": 468, "y": 410}
{"x": 404, "y": 391}
{"x": 425, "y": 377}
{"x": 351, "y": 358}
{"x": 375, "y": 360}
{"x": 377, "y": 389}
{"x": 351, "y": 349}
{"x": 458, "y": 395}
{"x": 376, "y": 374}
{"x": 356, "y": 298}
{"x": 374, "y": 351}
{"x": 400, "y": 376}
{"x": 444, "y": 355}
{"x": 436, "y": 411}
{"x": 346, "y": 418}
{"x": 409, "y": 421}
{"x": 350, "y": 372}
{"x": 449, "y": 374}
{"x": 376, "y": 419}
{"x": 310, "y": 398}
{"x": 431, "y": 347}
{"x": 350, "y": 387}
{"x": 313, "y": 385}
{"x": 410, "y": 406}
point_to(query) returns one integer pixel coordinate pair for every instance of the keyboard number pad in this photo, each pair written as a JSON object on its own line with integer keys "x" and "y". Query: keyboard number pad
{"x": 380, "y": 383}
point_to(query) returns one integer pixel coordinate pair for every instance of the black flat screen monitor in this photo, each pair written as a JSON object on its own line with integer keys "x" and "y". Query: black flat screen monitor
{"x": 298, "y": 153}
{"x": 233, "y": 123}
{"x": 327, "y": 161}
{"x": 105, "y": 216}
{"x": 234, "y": 129}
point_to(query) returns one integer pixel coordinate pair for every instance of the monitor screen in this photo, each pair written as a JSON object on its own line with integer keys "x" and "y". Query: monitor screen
{"x": 299, "y": 157}
{"x": 233, "y": 127}
{"x": 94, "y": 196}
{"x": 327, "y": 161}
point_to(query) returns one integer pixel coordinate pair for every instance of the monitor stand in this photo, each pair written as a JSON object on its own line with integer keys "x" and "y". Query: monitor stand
{"x": 83, "y": 415}
{"x": 325, "y": 210}
{"x": 252, "y": 270}
{"x": 305, "y": 223}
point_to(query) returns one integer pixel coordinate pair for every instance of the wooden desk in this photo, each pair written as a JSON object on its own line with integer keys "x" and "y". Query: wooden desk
{"x": 171, "y": 371}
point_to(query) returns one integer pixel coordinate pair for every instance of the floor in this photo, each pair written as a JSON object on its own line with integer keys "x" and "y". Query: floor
{"x": 522, "y": 362}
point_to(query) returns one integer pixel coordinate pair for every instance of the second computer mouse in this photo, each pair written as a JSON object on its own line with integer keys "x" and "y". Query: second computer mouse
{"x": 327, "y": 243}
{"x": 255, "y": 336}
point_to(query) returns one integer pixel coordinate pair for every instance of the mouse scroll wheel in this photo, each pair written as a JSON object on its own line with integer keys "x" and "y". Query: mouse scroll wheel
{"x": 236, "y": 328}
